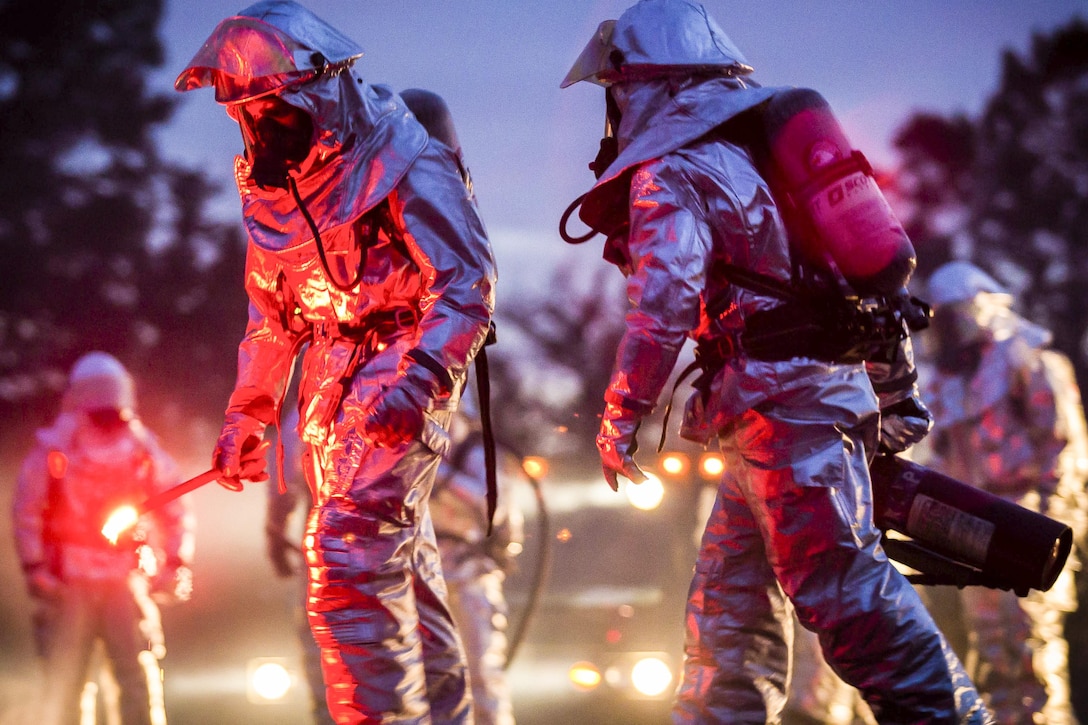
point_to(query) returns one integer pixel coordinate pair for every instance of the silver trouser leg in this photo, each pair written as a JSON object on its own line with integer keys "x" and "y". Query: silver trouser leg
{"x": 376, "y": 605}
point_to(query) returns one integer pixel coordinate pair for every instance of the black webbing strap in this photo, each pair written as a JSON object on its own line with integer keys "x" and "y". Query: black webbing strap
{"x": 749, "y": 280}
{"x": 483, "y": 392}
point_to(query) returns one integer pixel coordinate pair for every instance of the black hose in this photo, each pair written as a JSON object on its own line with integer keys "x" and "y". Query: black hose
{"x": 536, "y": 588}
{"x": 563, "y": 220}
{"x": 320, "y": 246}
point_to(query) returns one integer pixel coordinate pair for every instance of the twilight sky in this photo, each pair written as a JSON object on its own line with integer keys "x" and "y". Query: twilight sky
{"x": 498, "y": 63}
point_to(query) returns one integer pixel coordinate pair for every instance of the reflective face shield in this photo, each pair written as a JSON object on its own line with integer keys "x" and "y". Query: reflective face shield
{"x": 277, "y": 136}
{"x": 957, "y": 324}
{"x": 961, "y": 327}
{"x": 245, "y": 58}
{"x": 595, "y": 62}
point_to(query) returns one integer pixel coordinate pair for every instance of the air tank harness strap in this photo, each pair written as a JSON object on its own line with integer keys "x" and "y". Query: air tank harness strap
{"x": 822, "y": 325}
{"x": 373, "y": 328}
{"x": 483, "y": 391}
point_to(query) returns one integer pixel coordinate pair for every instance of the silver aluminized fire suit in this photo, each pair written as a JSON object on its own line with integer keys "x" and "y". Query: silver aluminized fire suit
{"x": 1009, "y": 420}
{"x": 284, "y": 548}
{"x": 95, "y": 457}
{"x": 793, "y": 520}
{"x": 475, "y": 565}
{"x": 375, "y": 253}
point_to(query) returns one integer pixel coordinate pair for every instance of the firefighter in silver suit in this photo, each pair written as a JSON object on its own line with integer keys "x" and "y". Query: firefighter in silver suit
{"x": 283, "y": 546}
{"x": 475, "y": 563}
{"x": 792, "y": 525}
{"x": 1009, "y": 420}
{"x": 364, "y": 242}
{"x": 97, "y": 456}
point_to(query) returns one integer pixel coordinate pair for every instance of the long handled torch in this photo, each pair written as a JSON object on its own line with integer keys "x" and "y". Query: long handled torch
{"x": 125, "y": 517}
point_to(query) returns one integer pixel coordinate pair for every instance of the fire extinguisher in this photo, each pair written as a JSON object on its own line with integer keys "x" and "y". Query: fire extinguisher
{"x": 837, "y": 217}
{"x": 999, "y": 543}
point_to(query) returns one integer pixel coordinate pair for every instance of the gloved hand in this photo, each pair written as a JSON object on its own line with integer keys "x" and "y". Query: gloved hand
{"x": 617, "y": 443}
{"x": 903, "y": 424}
{"x": 171, "y": 584}
{"x": 397, "y": 416}
{"x": 279, "y": 551}
{"x": 240, "y": 451}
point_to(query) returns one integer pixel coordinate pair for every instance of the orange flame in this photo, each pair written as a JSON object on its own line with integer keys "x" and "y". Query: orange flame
{"x": 120, "y": 521}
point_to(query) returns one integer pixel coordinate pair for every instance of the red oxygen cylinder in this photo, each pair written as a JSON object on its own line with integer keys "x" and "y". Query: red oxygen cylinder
{"x": 836, "y": 214}
{"x": 1001, "y": 539}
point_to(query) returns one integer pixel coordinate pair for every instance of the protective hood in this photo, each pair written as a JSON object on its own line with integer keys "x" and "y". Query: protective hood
{"x": 98, "y": 381}
{"x": 970, "y": 306}
{"x": 365, "y": 138}
{"x": 268, "y": 46}
{"x": 662, "y": 116}
{"x": 655, "y": 38}
{"x": 961, "y": 281}
{"x": 675, "y": 75}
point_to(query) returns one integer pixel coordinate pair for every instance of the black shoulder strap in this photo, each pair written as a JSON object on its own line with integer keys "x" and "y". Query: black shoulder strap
{"x": 750, "y": 280}
{"x": 483, "y": 391}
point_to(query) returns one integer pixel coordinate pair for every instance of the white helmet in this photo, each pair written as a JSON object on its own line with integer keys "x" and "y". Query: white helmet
{"x": 268, "y": 46}
{"x": 98, "y": 381}
{"x": 655, "y": 38}
{"x": 961, "y": 281}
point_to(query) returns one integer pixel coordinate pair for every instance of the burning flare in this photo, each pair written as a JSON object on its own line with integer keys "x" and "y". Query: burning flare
{"x": 121, "y": 520}
{"x": 125, "y": 517}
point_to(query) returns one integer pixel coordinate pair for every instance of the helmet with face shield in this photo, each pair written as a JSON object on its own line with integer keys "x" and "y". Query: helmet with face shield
{"x": 100, "y": 388}
{"x": 968, "y": 305}
{"x": 258, "y": 52}
{"x": 251, "y": 58}
{"x": 655, "y": 38}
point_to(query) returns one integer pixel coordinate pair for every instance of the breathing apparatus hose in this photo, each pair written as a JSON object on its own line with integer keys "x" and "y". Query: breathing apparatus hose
{"x": 320, "y": 246}
{"x": 540, "y": 574}
{"x": 563, "y": 221}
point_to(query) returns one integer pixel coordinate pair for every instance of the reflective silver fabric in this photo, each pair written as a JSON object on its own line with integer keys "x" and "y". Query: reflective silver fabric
{"x": 793, "y": 519}
{"x": 655, "y": 36}
{"x": 1013, "y": 425}
{"x": 795, "y": 513}
{"x": 390, "y": 206}
{"x": 99, "y": 476}
{"x": 474, "y": 566}
{"x": 96, "y": 594}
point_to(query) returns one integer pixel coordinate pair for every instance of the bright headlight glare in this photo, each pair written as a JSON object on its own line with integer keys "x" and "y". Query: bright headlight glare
{"x": 647, "y": 495}
{"x": 584, "y": 675}
{"x": 651, "y": 676}
{"x": 269, "y": 681}
{"x": 674, "y": 464}
{"x": 711, "y": 466}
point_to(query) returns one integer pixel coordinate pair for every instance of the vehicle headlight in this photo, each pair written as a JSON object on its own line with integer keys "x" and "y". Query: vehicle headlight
{"x": 651, "y": 676}
{"x": 584, "y": 675}
{"x": 268, "y": 680}
{"x": 647, "y": 495}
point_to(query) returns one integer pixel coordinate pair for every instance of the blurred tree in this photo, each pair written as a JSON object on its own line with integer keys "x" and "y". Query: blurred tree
{"x": 552, "y": 365}
{"x": 934, "y": 181}
{"x": 105, "y": 244}
{"x": 1010, "y": 190}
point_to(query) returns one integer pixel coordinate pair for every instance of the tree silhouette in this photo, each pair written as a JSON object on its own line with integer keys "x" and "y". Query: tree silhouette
{"x": 106, "y": 246}
{"x": 553, "y": 361}
{"x": 934, "y": 180}
{"x": 1009, "y": 190}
